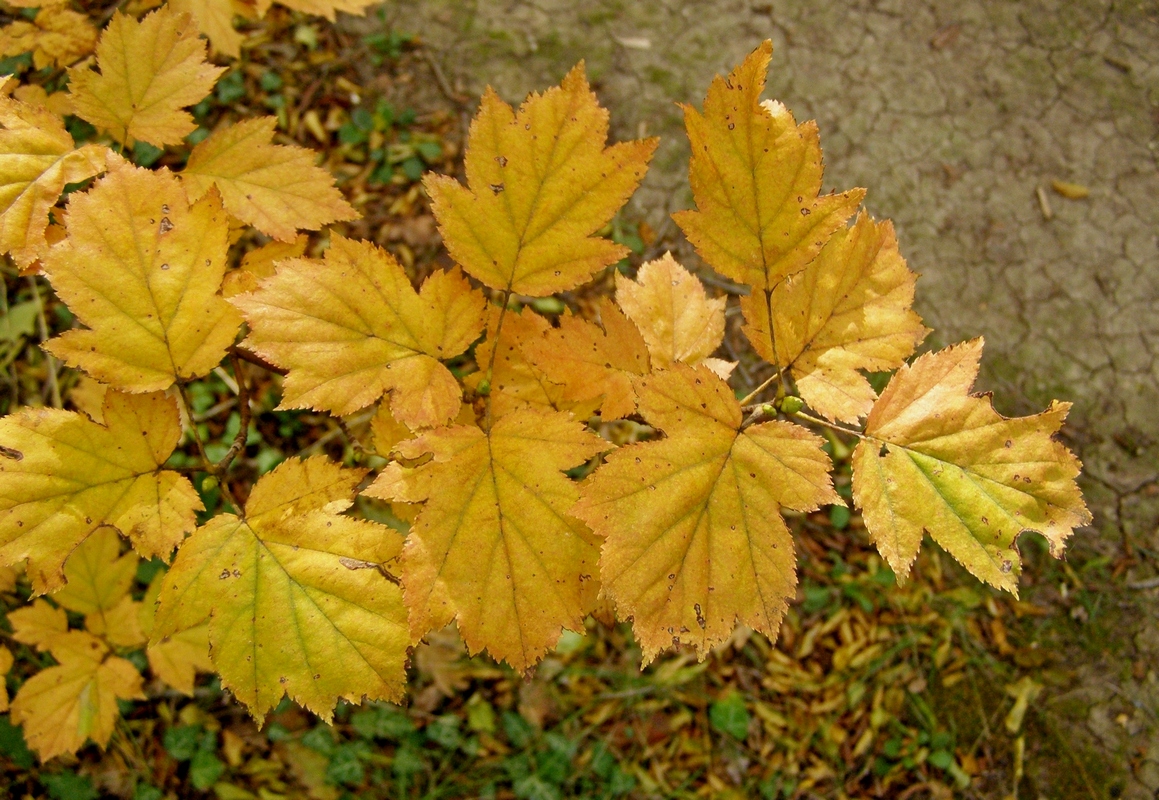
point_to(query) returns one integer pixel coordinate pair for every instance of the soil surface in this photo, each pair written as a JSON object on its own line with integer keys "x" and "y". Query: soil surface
{"x": 957, "y": 116}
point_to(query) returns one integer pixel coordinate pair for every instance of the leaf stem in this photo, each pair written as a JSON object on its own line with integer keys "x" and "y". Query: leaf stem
{"x": 210, "y": 467}
{"x": 834, "y": 426}
{"x": 494, "y": 353}
{"x": 243, "y": 400}
{"x": 42, "y": 325}
{"x": 748, "y": 398}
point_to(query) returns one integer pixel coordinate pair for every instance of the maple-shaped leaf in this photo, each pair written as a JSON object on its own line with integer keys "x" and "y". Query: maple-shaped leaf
{"x": 261, "y": 263}
{"x": 591, "y": 363}
{"x": 142, "y": 268}
{"x": 150, "y": 70}
{"x": 178, "y": 658}
{"x": 63, "y": 706}
{"x": 669, "y": 306}
{"x": 848, "y": 310}
{"x": 541, "y": 183}
{"x": 276, "y": 188}
{"x": 38, "y": 623}
{"x": 512, "y": 378}
{"x": 214, "y": 18}
{"x": 6, "y": 662}
{"x": 694, "y": 539}
{"x": 57, "y": 36}
{"x": 755, "y": 176}
{"x": 935, "y": 458}
{"x": 98, "y": 582}
{"x": 37, "y": 160}
{"x": 494, "y": 546}
{"x": 71, "y": 476}
{"x": 296, "y": 602}
{"x": 350, "y": 327}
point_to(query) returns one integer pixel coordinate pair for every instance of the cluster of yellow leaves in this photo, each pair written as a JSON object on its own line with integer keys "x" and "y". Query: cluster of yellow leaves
{"x": 682, "y": 534}
{"x": 63, "y": 706}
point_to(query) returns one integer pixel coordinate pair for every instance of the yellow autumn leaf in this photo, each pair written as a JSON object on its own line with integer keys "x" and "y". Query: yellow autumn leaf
{"x": 494, "y": 546}
{"x": 214, "y": 18}
{"x": 591, "y": 363}
{"x": 38, "y": 623}
{"x": 57, "y": 36}
{"x": 150, "y": 70}
{"x": 293, "y": 593}
{"x": 936, "y": 458}
{"x": 848, "y": 310}
{"x": 261, "y": 263}
{"x": 63, "y": 706}
{"x": 98, "y": 582}
{"x": 350, "y": 327}
{"x": 694, "y": 539}
{"x": 755, "y": 176}
{"x": 73, "y": 476}
{"x": 540, "y": 183}
{"x": 510, "y": 377}
{"x": 669, "y": 306}
{"x": 6, "y": 661}
{"x": 8, "y": 576}
{"x": 276, "y": 188}
{"x": 142, "y": 268}
{"x": 37, "y": 160}
{"x": 178, "y": 658}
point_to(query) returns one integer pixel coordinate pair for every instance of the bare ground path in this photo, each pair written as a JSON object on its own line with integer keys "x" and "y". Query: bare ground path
{"x": 957, "y": 116}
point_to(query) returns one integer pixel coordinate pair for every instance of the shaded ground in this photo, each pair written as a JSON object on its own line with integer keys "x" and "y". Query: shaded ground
{"x": 957, "y": 116}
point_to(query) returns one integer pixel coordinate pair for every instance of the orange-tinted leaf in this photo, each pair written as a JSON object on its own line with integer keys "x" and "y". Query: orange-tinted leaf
{"x": 672, "y": 311}
{"x": 938, "y": 459}
{"x": 591, "y": 363}
{"x": 494, "y": 547}
{"x": 276, "y": 188}
{"x": 755, "y": 176}
{"x": 848, "y": 310}
{"x": 261, "y": 263}
{"x": 694, "y": 540}
{"x": 516, "y": 381}
{"x": 351, "y": 327}
{"x": 541, "y": 183}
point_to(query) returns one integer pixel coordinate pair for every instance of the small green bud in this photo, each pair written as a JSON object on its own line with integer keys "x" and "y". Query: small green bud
{"x": 484, "y": 388}
{"x": 209, "y": 484}
{"x": 791, "y": 404}
{"x": 548, "y": 305}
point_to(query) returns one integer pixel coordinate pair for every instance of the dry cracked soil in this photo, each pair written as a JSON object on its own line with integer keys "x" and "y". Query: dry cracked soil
{"x": 957, "y": 117}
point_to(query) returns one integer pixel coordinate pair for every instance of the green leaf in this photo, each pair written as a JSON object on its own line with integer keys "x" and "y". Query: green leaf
{"x": 345, "y": 767}
{"x": 205, "y": 769}
{"x": 12, "y": 744}
{"x": 182, "y": 742}
{"x": 729, "y": 715}
{"x": 68, "y": 786}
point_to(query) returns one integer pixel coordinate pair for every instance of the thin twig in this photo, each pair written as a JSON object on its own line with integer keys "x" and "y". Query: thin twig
{"x": 834, "y": 426}
{"x": 210, "y": 467}
{"x": 243, "y": 399}
{"x": 755, "y": 392}
{"x": 42, "y": 324}
{"x": 441, "y": 79}
{"x": 355, "y": 444}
